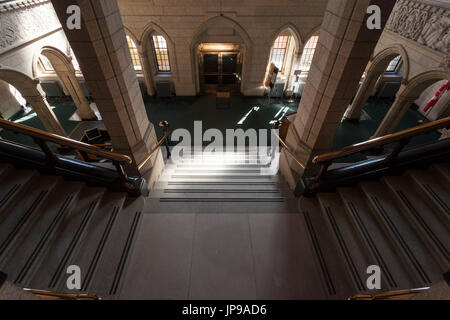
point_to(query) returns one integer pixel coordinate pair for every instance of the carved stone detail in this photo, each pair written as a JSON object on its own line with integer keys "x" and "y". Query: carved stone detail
{"x": 20, "y": 23}
{"x": 428, "y": 25}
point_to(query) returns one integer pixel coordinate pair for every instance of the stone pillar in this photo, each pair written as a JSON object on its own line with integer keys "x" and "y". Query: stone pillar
{"x": 146, "y": 68}
{"x": 362, "y": 96}
{"x": 36, "y": 98}
{"x": 66, "y": 74}
{"x": 79, "y": 99}
{"x": 102, "y": 51}
{"x": 395, "y": 114}
{"x": 344, "y": 49}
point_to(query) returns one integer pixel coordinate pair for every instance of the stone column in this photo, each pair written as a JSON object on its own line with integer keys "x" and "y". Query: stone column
{"x": 395, "y": 114}
{"x": 104, "y": 57}
{"x": 36, "y": 98}
{"x": 362, "y": 96}
{"x": 344, "y": 49}
{"x": 146, "y": 68}
{"x": 79, "y": 99}
{"x": 66, "y": 74}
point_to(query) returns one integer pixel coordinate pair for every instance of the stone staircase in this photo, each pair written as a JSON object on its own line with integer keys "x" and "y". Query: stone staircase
{"x": 48, "y": 224}
{"x": 400, "y": 223}
{"x": 226, "y": 182}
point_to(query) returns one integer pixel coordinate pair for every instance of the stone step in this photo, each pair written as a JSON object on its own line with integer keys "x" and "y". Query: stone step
{"x": 422, "y": 218}
{"x": 219, "y": 206}
{"x": 336, "y": 281}
{"x": 435, "y": 193}
{"x": 91, "y": 246}
{"x": 213, "y": 166}
{"x": 443, "y": 170}
{"x": 216, "y": 177}
{"x": 12, "y": 185}
{"x": 107, "y": 278}
{"x": 377, "y": 244}
{"x": 25, "y": 252}
{"x": 5, "y": 168}
{"x": 14, "y": 221}
{"x": 408, "y": 245}
{"x": 191, "y": 187}
{"x": 221, "y": 197}
{"x": 73, "y": 227}
{"x": 351, "y": 248}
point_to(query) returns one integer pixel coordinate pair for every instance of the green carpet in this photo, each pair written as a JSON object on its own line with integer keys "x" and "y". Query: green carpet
{"x": 63, "y": 111}
{"x": 181, "y": 112}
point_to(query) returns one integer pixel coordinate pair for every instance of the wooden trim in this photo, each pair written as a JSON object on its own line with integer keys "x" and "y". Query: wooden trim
{"x": 49, "y": 295}
{"x": 389, "y": 295}
{"x": 381, "y": 141}
{"x": 64, "y": 141}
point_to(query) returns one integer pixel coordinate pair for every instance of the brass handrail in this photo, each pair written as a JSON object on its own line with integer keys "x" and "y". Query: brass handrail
{"x": 381, "y": 141}
{"x": 64, "y": 141}
{"x": 50, "y": 295}
{"x": 388, "y": 294}
{"x": 300, "y": 163}
{"x": 164, "y": 124}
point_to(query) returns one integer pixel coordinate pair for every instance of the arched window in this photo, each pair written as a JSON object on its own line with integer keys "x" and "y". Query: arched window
{"x": 161, "y": 53}
{"x": 279, "y": 51}
{"x": 308, "y": 53}
{"x": 45, "y": 64}
{"x": 134, "y": 54}
{"x": 394, "y": 64}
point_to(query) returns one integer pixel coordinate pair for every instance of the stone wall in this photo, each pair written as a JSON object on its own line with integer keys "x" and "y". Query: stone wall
{"x": 254, "y": 23}
{"x": 419, "y": 30}
{"x": 27, "y": 27}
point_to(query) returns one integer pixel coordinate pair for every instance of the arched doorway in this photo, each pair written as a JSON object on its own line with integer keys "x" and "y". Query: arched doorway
{"x": 220, "y": 49}
{"x": 32, "y": 92}
{"x": 385, "y": 62}
{"x": 63, "y": 67}
{"x": 406, "y": 96}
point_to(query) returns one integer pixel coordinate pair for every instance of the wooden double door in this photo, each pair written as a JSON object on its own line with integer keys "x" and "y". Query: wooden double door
{"x": 220, "y": 71}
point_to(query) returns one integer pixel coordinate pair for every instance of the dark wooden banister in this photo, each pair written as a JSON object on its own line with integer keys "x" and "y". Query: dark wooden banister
{"x": 388, "y": 295}
{"x": 50, "y": 295}
{"x": 382, "y": 141}
{"x": 64, "y": 141}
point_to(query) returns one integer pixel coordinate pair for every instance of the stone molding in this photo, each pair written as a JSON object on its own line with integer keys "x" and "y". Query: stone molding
{"x": 19, "y": 4}
{"x": 423, "y": 23}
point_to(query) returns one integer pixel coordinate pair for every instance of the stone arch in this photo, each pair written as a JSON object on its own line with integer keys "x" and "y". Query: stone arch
{"x": 146, "y": 53}
{"x": 294, "y": 32}
{"x": 314, "y": 32}
{"x": 385, "y": 56}
{"x": 66, "y": 73}
{"x": 246, "y": 42}
{"x": 377, "y": 66}
{"x": 407, "y": 94}
{"x": 417, "y": 84}
{"x": 32, "y": 92}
